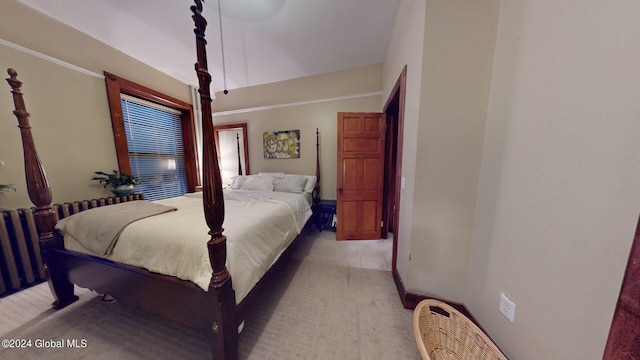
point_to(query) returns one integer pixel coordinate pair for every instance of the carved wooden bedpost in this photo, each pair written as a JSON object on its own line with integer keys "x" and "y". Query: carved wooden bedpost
{"x": 40, "y": 195}
{"x": 225, "y": 326}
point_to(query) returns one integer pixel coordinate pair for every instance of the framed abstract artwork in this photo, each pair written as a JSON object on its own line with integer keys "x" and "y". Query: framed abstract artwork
{"x": 281, "y": 144}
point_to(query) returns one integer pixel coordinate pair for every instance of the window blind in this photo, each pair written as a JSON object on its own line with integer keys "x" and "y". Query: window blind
{"x": 156, "y": 150}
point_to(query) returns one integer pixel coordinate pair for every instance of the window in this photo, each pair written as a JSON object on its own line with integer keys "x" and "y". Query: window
{"x": 156, "y": 150}
{"x": 154, "y": 138}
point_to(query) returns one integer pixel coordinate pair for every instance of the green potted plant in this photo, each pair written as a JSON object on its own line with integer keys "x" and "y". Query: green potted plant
{"x": 120, "y": 183}
{"x": 6, "y": 187}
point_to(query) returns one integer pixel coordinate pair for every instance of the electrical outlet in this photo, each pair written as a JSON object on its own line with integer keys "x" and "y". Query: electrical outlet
{"x": 507, "y": 307}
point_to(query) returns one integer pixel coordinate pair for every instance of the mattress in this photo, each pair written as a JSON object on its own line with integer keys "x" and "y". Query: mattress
{"x": 258, "y": 225}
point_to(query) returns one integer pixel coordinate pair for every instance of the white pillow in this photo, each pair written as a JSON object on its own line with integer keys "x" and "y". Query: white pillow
{"x": 237, "y": 181}
{"x": 291, "y": 183}
{"x": 311, "y": 184}
{"x": 273, "y": 175}
{"x": 257, "y": 183}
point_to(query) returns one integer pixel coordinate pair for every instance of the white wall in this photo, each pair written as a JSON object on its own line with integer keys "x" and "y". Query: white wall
{"x": 405, "y": 48}
{"x": 559, "y": 194}
{"x": 557, "y": 199}
{"x": 459, "y": 38}
{"x": 448, "y": 49}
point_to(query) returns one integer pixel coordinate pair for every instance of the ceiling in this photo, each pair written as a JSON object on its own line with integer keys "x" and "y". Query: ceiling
{"x": 264, "y": 40}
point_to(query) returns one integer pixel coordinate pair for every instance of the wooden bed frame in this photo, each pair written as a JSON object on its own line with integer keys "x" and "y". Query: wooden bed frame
{"x": 213, "y": 311}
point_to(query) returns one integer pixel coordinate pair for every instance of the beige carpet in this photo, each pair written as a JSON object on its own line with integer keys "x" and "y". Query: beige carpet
{"x": 330, "y": 300}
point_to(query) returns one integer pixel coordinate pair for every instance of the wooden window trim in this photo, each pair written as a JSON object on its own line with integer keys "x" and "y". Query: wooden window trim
{"x": 116, "y": 86}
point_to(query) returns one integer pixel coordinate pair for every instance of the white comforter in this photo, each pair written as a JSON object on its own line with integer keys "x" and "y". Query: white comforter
{"x": 259, "y": 225}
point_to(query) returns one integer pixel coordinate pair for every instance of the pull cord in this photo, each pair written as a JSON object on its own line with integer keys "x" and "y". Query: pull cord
{"x": 224, "y": 70}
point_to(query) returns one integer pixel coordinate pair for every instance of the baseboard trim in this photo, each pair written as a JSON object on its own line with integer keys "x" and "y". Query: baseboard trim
{"x": 410, "y": 300}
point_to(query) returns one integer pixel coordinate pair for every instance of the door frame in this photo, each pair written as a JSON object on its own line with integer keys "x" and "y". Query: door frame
{"x": 392, "y": 186}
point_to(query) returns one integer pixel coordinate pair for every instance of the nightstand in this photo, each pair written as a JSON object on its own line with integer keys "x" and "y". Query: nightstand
{"x": 324, "y": 213}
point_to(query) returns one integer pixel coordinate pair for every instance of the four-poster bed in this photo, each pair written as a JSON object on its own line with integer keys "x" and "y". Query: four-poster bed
{"x": 213, "y": 309}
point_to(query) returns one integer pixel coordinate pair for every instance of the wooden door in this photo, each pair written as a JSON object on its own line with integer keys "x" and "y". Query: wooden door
{"x": 361, "y": 146}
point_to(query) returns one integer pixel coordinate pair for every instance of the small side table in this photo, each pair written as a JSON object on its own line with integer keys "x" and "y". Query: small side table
{"x": 324, "y": 213}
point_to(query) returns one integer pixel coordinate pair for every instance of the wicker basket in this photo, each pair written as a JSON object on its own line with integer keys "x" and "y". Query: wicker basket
{"x": 444, "y": 333}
